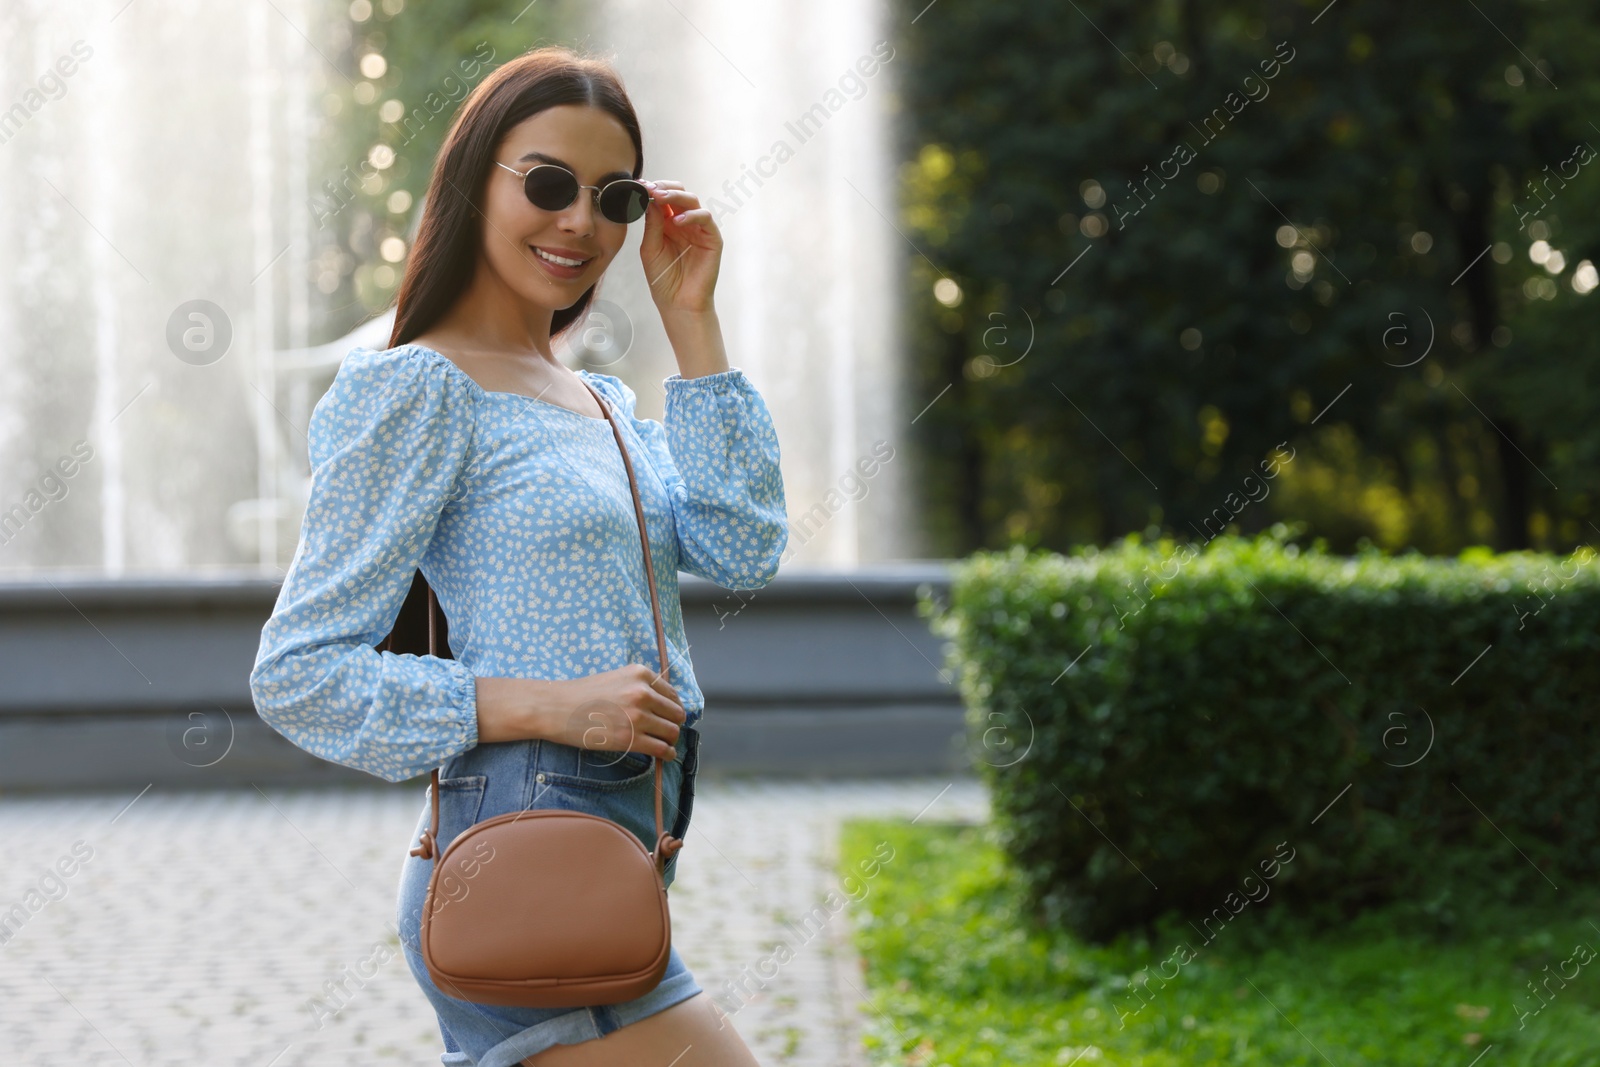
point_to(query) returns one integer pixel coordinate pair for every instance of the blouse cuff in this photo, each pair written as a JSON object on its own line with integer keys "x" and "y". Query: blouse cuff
{"x": 728, "y": 381}
{"x": 465, "y": 703}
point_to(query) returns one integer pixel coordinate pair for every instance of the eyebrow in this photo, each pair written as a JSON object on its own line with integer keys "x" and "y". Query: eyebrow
{"x": 543, "y": 158}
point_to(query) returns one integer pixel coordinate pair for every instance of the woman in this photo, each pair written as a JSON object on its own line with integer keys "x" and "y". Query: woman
{"x": 467, "y": 450}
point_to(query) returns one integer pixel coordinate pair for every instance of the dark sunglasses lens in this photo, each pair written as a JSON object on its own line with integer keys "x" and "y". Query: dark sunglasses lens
{"x": 550, "y": 188}
{"x": 624, "y": 201}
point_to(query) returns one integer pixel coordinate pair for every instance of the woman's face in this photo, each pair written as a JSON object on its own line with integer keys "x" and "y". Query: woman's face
{"x": 593, "y": 145}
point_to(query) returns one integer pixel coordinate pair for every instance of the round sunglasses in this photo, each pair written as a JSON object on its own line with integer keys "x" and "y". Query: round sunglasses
{"x": 554, "y": 188}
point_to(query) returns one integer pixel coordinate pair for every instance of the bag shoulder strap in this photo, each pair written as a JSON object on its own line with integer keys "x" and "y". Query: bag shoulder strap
{"x": 666, "y": 845}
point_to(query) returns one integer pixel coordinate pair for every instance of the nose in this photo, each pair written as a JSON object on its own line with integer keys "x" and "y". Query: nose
{"x": 578, "y": 216}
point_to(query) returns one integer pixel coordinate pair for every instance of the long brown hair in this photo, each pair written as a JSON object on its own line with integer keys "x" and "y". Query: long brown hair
{"x": 450, "y": 233}
{"x": 451, "y": 229}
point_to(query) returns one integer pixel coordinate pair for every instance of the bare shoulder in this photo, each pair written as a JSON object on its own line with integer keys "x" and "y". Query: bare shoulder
{"x": 452, "y": 351}
{"x": 441, "y": 345}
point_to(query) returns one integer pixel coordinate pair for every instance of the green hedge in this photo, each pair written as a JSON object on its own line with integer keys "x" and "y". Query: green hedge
{"x": 1205, "y": 710}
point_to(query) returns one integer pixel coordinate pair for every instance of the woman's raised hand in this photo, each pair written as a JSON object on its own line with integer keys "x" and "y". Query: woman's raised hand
{"x": 681, "y": 250}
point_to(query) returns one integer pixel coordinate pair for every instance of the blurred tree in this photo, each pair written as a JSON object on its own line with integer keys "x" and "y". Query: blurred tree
{"x": 403, "y": 70}
{"x": 1218, "y": 228}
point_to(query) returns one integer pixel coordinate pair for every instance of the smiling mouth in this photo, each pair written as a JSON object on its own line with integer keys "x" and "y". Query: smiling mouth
{"x": 561, "y": 262}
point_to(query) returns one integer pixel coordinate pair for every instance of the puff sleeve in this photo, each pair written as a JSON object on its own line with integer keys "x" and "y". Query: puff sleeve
{"x": 717, "y": 451}
{"x": 388, "y": 443}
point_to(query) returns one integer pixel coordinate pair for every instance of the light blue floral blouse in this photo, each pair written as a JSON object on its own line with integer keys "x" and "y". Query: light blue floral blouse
{"x": 518, "y": 513}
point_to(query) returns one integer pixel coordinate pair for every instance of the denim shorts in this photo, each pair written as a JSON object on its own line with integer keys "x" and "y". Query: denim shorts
{"x": 495, "y": 778}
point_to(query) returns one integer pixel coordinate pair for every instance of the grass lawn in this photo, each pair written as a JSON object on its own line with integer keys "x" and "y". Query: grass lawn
{"x": 956, "y": 981}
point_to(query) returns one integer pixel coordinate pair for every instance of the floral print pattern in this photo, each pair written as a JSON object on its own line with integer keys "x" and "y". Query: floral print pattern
{"x": 518, "y": 513}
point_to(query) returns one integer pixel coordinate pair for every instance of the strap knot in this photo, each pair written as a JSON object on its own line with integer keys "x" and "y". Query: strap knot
{"x": 667, "y": 846}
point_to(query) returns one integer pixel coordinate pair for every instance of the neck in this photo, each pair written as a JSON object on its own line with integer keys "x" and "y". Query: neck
{"x": 489, "y": 318}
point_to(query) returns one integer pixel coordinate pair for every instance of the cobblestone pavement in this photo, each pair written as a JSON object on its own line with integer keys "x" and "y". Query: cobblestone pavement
{"x": 211, "y": 929}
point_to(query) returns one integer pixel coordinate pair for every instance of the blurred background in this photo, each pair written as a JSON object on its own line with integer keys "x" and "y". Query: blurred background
{"x": 1413, "y": 320}
{"x": 215, "y": 206}
{"x": 1170, "y": 394}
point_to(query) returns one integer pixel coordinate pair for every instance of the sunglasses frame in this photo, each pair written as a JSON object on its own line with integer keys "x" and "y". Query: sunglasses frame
{"x": 597, "y": 191}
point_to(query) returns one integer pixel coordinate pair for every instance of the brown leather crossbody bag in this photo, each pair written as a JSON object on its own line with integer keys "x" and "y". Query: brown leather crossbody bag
{"x": 549, "y": 908}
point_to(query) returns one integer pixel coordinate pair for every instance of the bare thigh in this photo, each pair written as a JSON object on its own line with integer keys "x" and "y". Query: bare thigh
{"x": 691, "y": 1033}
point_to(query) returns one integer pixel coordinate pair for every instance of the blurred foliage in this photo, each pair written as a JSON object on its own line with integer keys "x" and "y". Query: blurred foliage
{"x": 1156, "y": 714}
{"x": 1159, "y": 239}
{"x": 958, "y": 978}
{"x": 401, "y": 71}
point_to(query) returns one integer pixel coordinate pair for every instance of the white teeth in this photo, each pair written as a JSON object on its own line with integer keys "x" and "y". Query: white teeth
{"x": 558, "y": 260}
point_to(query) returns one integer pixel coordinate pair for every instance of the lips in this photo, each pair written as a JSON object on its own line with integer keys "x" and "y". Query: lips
{"x": 565, "y": 271}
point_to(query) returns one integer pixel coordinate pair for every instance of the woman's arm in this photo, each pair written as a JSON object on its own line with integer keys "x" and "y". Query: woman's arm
{"x": 716, "y": 448}
{"x": 389, "y": 442}
{"x": 696, "y": 339}
{"x": 624, "y": 710}
{"x": 717, "y": 454}
{"x": 518, "y": 709}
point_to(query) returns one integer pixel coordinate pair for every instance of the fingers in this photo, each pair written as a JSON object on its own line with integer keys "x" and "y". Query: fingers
{"x": 666, "y": 705}
{"x": 676, "y": 196}
{"x": 660, "y": 217}
{"x": 659, "y": 683}
{"x": 673, "y": 195}
{"x": 661, "y": 697}
{"x": 678, "y": 211}
{"x": 700, "y": 217}
{"x": 652, "y": 730}
{"x": 655, "y": 735}
{"x": 663, "y": 738}
{"x": 683, "y": 213}
{"x": 664, "y": 717}
{"x": 606, "y": 734}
